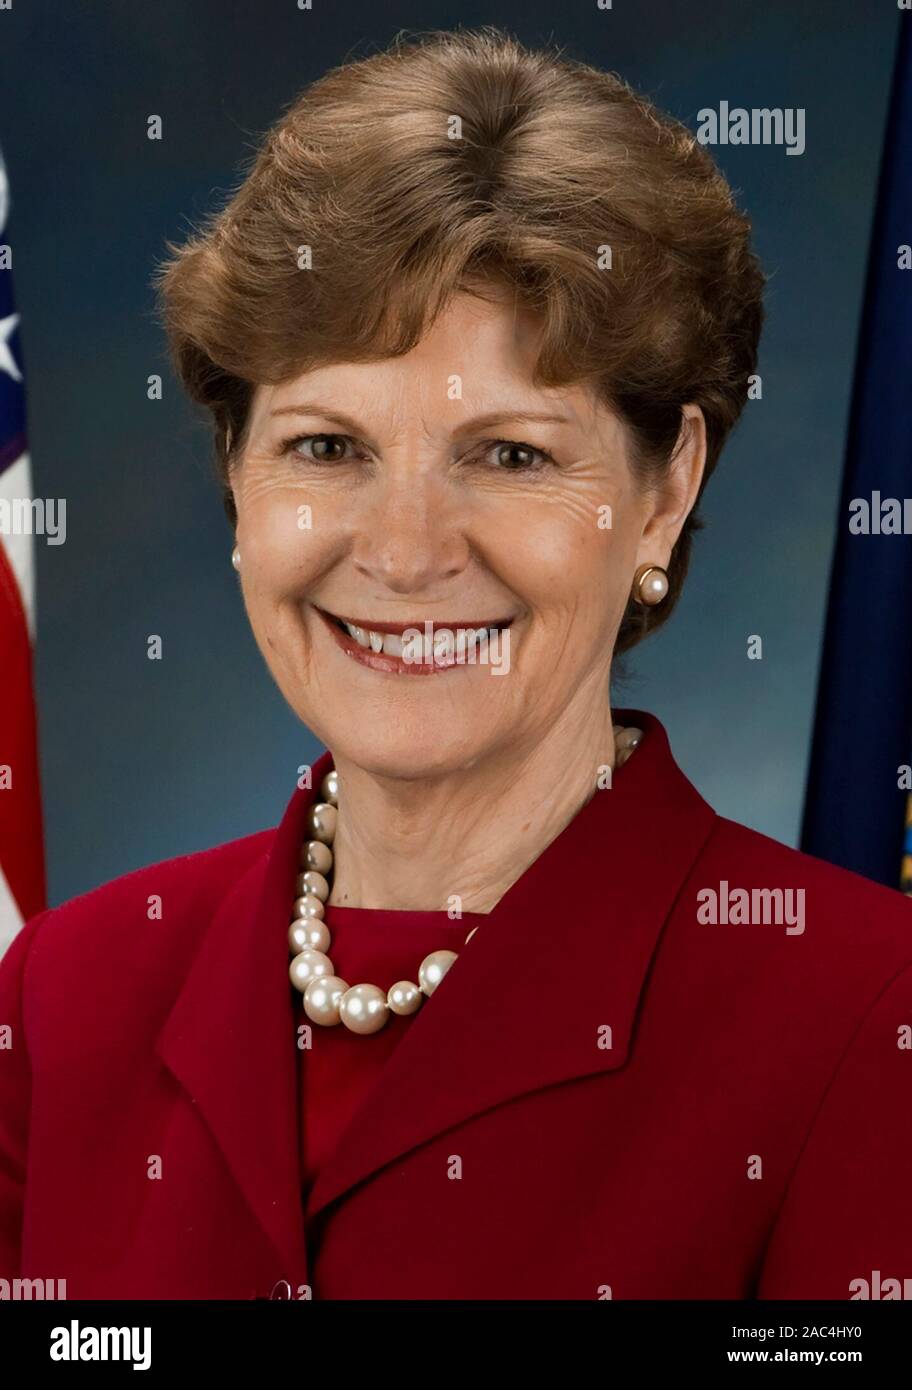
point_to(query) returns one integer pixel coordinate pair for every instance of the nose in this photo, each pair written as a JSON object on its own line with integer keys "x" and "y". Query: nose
{"x": 411, "y": 537}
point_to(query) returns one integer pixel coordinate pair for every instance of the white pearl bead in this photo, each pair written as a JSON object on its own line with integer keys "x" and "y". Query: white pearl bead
{"x": 314, "y": 884}
{"x": 308, "y": 906}
{"x": 322, "y": 821}
{"x": 322, "y": 998}
{"x": 328, "y": 999}
{"x": 316, "y": 855}
{"x": 628, "y": 738}
{"x": 653, "y": 586}
{"x": 404, "y": 998}
{"x": 363, "y": 1009}
{"x": 307, "y": 966}
{"x": 433, "y": 968}
{"x": 308, "y": 934}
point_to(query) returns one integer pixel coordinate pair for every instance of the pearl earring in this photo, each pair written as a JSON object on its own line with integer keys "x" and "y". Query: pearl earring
{"x": 236, "y": 558}
{"x": 650, "y": 585}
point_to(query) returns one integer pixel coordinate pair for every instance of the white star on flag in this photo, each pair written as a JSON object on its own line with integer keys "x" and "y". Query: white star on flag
{"x": 7, "y": 360}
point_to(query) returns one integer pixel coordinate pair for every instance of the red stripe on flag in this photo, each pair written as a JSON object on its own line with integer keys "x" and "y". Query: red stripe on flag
{"x": 21, "y": 837}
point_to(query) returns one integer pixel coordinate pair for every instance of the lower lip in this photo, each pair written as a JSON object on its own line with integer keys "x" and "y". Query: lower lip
{"x": 392, "y": 665}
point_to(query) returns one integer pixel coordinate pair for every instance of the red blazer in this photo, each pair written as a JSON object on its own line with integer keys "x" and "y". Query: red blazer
{"x": 646, "y": 1104}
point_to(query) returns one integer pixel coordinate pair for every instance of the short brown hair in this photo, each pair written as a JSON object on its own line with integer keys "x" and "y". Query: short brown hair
{"x": 552, "y": 163}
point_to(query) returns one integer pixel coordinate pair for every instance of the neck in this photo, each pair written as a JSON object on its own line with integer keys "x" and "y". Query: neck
{"x": 417, "y": 845}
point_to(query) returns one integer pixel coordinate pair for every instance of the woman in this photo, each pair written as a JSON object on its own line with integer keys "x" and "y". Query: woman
{"x": 502, "y": 1008}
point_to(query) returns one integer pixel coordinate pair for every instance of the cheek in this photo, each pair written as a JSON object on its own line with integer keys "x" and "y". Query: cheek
{"x": 282, "y": 548}
{"x": 561, "y": 555}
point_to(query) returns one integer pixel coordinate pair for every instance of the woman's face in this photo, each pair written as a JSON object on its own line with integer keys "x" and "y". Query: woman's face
{"x": 443, "y": 488}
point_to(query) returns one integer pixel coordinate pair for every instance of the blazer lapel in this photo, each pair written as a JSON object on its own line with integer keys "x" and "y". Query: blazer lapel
{"x": 564, "y": 953}
{"x": 230, "y": 1037}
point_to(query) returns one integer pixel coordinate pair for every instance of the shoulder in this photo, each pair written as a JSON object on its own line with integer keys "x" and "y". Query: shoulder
{"x": 849, "y": 908}
{"x": 798, "y": 930}
{"x": 158, "y": 911}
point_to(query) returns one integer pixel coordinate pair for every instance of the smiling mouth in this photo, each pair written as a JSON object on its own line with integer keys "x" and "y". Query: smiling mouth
{"x": 419, "y": 648}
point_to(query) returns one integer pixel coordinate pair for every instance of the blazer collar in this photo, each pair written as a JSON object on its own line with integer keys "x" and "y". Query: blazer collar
{"x": 565, "y": 952}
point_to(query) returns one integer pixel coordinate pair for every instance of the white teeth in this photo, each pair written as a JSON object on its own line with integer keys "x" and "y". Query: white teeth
{"x": 358, "y": 633}
{"x": 443, "y": 644}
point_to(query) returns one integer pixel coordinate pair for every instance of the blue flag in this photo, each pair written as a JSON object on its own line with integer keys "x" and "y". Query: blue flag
{"x": 858, "y": 780}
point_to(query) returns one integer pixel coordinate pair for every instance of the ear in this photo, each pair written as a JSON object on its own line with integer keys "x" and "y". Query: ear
{"x": 674, "y": 495}
{"x": 232, "y": 471}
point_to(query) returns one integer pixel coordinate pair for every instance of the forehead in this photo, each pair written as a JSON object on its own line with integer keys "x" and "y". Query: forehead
{"x": 479, "y": 355}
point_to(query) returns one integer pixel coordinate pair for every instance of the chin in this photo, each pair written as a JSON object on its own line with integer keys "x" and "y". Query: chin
{"x": 414, "y": 748}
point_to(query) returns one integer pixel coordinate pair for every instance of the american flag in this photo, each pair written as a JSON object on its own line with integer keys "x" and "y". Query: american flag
{"x": 21, "y": 840}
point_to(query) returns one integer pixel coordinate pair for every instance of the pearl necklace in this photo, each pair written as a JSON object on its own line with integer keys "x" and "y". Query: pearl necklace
{"x": 329, "y": 1000}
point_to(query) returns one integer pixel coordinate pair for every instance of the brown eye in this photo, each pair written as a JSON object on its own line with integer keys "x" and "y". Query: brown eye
{"x": 320, "y": 448}
{"x": 328, "y": 448}
{"x": 514, "y": 457}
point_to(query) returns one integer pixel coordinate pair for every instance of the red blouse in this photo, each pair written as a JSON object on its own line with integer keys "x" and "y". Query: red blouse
{"x": 339, "y": 1069}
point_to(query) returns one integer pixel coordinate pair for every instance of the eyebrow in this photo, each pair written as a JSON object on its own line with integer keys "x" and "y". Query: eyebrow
{"x": 489, "y": 421}
{"x": 315, "y": 408}
{"x": 503, "y": 417}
